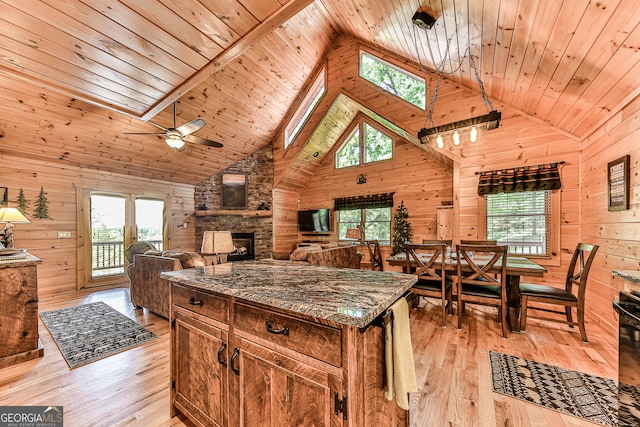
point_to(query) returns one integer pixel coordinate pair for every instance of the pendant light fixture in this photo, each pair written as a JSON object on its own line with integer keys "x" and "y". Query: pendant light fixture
{"x": 468, "y": 128}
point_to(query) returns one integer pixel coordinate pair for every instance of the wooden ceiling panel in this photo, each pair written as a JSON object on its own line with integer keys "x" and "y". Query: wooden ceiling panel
{"x": 81, "y": 73}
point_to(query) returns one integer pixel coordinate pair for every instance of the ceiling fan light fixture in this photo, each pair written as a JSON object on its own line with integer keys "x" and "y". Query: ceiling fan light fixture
{"x": 174, "y": 140}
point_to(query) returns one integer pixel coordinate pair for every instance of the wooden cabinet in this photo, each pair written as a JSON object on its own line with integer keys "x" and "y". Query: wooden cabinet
{"x": 200, "y": 375}
{"x": 276, "y": 369}
{"x": 19, "y": 338}
{"x": 444, "y": 223}
{"x": 271, "y": 389}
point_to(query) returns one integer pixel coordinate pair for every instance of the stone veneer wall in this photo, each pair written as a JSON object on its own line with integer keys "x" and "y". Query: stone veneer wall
{"x": 259, "y": 170}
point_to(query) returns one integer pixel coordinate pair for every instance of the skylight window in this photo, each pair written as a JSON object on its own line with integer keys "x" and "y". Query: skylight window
{"x": 393, "y": 79}
{"x": 305, "y": 109}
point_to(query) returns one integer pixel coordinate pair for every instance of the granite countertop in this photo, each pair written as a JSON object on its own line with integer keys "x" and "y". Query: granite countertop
{"x": 342, "y": 295}
{"x": 21, "y": 258}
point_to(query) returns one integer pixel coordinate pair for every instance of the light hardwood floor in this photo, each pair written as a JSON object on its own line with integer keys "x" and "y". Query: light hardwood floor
{"x": 454, "y": 376}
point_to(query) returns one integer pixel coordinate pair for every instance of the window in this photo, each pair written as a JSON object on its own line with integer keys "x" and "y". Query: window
{"x": 376, "y": 223}
{"x": 393, "y": 79}
{"x": 305, "y": 109}
{"x": 349, "y": 153}
{"x": 521, "y": 220}
{"x": 374, "y": 146}
{"x": 377, "y": 145}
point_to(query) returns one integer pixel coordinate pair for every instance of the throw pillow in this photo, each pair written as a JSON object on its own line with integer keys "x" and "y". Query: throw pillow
{"x": 300, "y": 254}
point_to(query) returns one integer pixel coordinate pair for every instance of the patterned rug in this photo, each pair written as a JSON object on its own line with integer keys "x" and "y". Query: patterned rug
{"x": 575, "y": 393}
{"x": 91, "y": 332}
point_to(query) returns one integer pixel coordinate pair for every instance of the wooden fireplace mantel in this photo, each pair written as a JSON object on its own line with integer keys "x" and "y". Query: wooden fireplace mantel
{"x": 245, "y": 213}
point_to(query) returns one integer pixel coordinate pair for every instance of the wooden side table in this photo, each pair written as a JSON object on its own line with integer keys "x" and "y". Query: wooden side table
{"x": 19, "y": 338}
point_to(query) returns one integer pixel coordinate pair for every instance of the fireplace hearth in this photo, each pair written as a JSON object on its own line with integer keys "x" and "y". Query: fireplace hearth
{"x": 244, "y": 247}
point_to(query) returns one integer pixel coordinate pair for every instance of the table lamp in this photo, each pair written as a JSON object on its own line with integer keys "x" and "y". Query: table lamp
{"x": 11, "y": 216}
{"x": 354, "y": 233}
{"x": 218, "y": 243}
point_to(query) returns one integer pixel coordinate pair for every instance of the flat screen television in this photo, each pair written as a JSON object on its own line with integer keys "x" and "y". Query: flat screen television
{"x": 317, "y": 220}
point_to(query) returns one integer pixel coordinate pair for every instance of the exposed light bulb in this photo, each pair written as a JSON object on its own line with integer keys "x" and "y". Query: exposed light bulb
{"x": 439, "y": 141}
{"x": 473, "y": 135}
{"x": 456, "y": 138}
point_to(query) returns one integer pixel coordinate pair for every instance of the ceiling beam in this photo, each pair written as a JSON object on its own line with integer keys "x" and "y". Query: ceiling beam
{"x": 232, "y": 53}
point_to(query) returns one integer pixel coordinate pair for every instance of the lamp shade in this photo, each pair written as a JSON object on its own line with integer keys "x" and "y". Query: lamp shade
{"x": 217, "y": 242}
{"x": 353, "y": 233}
{"x": 13, "y": 215}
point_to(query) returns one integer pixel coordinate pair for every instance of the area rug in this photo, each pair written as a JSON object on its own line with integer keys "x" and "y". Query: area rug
{"x": 91, "y": 332}
{"x": 574, "y": 393}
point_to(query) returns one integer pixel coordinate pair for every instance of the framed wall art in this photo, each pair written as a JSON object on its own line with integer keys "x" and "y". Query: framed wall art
{"x": 234, "y": 191}
{"x": 4, "y": 196}
{"x": 618, "y": 183}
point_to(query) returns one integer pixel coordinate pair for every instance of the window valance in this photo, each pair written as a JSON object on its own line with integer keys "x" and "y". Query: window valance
{"x": 514, "y": 180}
{"x": 384, "y": 200}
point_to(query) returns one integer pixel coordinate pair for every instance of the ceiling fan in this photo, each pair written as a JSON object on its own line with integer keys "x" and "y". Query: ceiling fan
{"x": 175, "y": 137}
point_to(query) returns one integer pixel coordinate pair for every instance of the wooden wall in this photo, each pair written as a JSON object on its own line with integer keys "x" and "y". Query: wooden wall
{"x": 520, "y": 140}
{"x": 60, "y": 271}
{"x": 617, "y": 233}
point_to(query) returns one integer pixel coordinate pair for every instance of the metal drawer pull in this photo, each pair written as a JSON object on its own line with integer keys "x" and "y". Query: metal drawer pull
{"x": 236, "y": 353}
{"x": 193, "y": 301}
{"x": 221, "y": 358}
{"x": 283, "y": 331}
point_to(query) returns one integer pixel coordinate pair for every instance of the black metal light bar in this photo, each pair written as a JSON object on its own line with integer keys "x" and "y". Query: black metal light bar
{"x": 492, "y": 119}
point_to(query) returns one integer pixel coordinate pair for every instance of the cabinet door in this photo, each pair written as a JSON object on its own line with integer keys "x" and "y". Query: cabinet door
{"x": 199, "y": 374}
{"x": 273, "y": 390}
{"x": 444, "y": 223}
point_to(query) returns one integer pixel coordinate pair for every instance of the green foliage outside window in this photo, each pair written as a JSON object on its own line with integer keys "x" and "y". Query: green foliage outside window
{"x": 375, "y": 222}
{"x": 377, "y": 225}
{"x": 377, "y": 145}
{"x": 348, "y": 219}
{"x": 393, "y": 79}
{"x": 520, "y": 220}
{"x": 349, "y": 153}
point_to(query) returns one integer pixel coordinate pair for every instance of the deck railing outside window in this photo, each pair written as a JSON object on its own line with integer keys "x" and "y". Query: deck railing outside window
{"x": 524, "y": 248}
{"x": 108, "y": 257}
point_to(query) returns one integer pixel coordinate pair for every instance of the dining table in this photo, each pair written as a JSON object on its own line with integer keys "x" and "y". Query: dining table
{"x": 517, "y": 266}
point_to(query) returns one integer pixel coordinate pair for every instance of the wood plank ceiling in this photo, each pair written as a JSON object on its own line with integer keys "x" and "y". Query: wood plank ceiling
{"x": 76, "y": 75}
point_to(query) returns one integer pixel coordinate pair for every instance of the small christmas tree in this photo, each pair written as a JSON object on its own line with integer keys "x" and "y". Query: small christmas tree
{"x": 22, "y": 202}
{"x": 41, "y": 212}
{"x": 401, "y": 229}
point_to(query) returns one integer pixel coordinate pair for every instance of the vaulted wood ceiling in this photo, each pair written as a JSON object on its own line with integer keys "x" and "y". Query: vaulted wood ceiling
{"x": 75, "y": 76}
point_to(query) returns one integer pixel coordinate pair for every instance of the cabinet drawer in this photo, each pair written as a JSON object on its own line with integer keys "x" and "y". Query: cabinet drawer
{"x": 214, "y": 307}
{"x": 318, "y": 341}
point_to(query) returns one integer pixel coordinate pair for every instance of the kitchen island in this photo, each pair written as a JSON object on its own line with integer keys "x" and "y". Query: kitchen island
{"x": 281, "y": 343}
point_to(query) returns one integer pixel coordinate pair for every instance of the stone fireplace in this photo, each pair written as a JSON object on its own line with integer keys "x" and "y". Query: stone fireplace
{"x": 244, "y": 244}
{"x": 252, "y": 227}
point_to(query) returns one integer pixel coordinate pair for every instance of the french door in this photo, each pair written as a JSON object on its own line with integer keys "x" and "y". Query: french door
{"x": 112, "y": 222}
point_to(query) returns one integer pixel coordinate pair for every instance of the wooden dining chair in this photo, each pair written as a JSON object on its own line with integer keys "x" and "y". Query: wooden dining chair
{"x": 482, "y": 279}
{"x": 374, "y": 255}
{"x": 429, "y": 263}
{"x": 577, "y": 276}
{"x": 478, "y": 242}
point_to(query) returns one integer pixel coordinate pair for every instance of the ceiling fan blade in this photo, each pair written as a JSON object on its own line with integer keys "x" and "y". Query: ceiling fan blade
{"x": 191, "y": 127}
{"x": 202, "y": 141}
{"x": 144, "y": 133}
{"x": 158, "y": 126}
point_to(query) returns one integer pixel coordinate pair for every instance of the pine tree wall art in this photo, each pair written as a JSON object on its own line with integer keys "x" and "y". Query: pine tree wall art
{"x": 22, "y": 202}
{"x": 41, "y": 211}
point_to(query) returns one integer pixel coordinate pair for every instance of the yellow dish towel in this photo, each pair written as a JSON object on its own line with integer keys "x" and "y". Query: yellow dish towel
{"x": 401, "y": 372}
